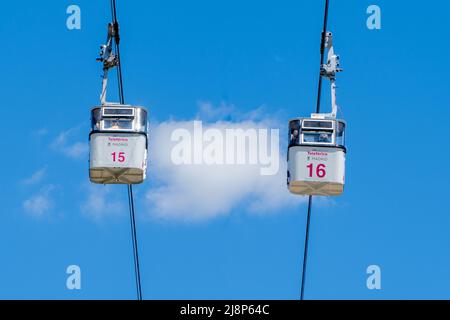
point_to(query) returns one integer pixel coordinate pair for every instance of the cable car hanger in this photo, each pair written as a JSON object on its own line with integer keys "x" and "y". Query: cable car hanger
{"x": 108, "y": 58}
{"x": 329, "y": 71}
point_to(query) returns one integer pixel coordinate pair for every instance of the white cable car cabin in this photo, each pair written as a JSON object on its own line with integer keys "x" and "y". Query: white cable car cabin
{"x": 118, "y": 139}
{"x": 316, "y": 153}
{"x": 316, "y": 156}
{"x": 118, "y": 144}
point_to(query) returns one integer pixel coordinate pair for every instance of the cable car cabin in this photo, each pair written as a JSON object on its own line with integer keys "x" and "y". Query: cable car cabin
{"x": 316, "y": 156}
{"x": 118, "y": 144}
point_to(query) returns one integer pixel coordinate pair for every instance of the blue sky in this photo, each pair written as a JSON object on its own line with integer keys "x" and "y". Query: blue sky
{"x": 235, "y": 57}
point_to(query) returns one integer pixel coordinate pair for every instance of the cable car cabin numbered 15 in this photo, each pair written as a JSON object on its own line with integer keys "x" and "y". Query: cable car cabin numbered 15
{"x": 118, "y": 144}
{"x": 316, "y": 157}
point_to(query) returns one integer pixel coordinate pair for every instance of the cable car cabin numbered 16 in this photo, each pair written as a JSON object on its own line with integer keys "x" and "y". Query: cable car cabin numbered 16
{"x": 316, "y": 157}
{"x": 118, "y": 144}
{"x": 316, "y": 154}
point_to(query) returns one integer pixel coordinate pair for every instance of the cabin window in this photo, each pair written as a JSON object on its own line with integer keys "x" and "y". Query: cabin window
{"x": 117, "y": 124}
{"x": 340, "y": 134}
{"x": 318, "y": 137}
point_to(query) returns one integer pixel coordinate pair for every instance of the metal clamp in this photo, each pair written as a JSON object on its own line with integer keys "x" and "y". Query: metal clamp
{"x": 108, "y": 58}
{"x": 329, "y": 70}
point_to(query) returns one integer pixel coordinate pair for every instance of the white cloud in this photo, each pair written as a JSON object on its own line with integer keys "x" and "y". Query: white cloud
{"x": 102, "y": 202}
{"x": 76, "y": 150}
{"x": 73, "y": 149}
{"x": 35, "y": 178}
{"x": 208, "y": 111}
{"x": 41, "y": 203}
{"x": 198, "y": 192}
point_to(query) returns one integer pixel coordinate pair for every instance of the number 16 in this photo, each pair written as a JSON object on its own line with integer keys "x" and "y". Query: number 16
{"x": 320, "y": 170}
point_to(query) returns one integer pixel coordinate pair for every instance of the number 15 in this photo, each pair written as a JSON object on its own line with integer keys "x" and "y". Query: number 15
{"x": 118, "y": 157}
